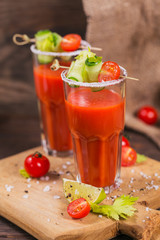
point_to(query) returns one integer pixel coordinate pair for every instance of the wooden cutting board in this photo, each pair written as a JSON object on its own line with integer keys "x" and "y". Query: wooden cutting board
{"x": 39, "y": 207}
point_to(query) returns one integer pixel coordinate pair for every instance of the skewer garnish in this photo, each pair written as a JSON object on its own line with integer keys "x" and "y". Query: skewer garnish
{"x": 23, "y": 39}
{"x": 55, "y": 66}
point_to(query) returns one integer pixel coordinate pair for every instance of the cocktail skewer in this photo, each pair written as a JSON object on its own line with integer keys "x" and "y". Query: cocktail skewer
{"x": 24, "y": 39}
{"x": 55, "y": 66}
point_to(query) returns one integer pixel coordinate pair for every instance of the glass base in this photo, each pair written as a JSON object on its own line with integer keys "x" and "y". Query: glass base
{"x": 107, "y": 189}
{"x": 55, "y": 153}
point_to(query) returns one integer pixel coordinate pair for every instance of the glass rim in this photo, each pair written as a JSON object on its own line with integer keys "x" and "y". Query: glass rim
{"x": 95, "y": 84}
{"x": 59, "y": 54}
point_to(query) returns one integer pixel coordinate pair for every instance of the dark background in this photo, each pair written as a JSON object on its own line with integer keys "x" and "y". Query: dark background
{"x": 19, "y": 121}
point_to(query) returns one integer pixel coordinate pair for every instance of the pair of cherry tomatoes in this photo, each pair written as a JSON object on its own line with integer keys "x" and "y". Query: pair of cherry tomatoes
{"x": 129, "y": 155}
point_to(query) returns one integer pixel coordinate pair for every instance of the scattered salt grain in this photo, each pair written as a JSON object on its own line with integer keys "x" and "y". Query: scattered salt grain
{"x": 25, "y": 196}
{"x": 46, "y": 189}
{"x": 37, "y": 182}
{"x": 54, "y": 182}
{"x": 147, "y": 209}
{"x": 147, "y": 217}
{"x": 64, "y": 166}
{"x": 133, "y": 190}
{"x": 156, "y": 174}
{"x": 42, "y": 178}
{"x": 9, "y": 188}
{"x": 108, "y": 198}
{"x": 28, "y": 180}
{"x": 29, "y": 185}
{"x": 47, "y": 178}
{"x": 156, "y": 187}
{"x": 132, "y": 170}
{"x": 56, "y": 197}
{"x": 143, "y": 220}
{"x": 68, "y": 163}
{"x": 48, "y": 219}
{"x": 61, "y": 172}
{"x": 100, "y": 216}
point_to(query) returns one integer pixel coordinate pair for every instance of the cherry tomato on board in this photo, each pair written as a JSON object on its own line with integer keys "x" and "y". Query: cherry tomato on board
{"x": 36, "y": 165}
{"x": 125, "y": 142}
{"x": 71, "y": 42}
{"x": 129, "y": 156}
{"x": 79, "y": 208}
{"x": 148, "y": 115}
{"x": 109, "y": 71}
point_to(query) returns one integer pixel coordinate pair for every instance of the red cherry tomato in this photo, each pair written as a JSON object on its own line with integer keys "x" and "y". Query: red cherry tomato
{"x": 36, "y": 165}
{"x": 109, "y": 71}
{"x": 125, "y": 142}
{"x": 71, "y": 42}
{"x": 129, "y": 156}
{"x": 148, "y": 115}
{"x": 79, "y": 208}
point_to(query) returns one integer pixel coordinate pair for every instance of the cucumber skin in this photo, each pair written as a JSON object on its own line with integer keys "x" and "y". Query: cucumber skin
{"x": 92, "y": 72}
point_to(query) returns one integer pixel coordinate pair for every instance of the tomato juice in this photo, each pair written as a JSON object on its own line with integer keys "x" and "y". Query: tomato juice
{"x": 96, "y": 122}
{"x": 49, "y": 89}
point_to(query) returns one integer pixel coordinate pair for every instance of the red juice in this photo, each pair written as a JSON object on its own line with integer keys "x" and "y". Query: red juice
{"x": 96, "y": 122}
{"x": 49, "y": 89}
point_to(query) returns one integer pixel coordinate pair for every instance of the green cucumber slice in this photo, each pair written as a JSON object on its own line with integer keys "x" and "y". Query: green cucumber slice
{"x": 76, "y": 70}
{"x": 56, "y": 40}
{"x": 93, "y": 72}
{"x": 42, "y": 59}
{"x": 97, "y": 89}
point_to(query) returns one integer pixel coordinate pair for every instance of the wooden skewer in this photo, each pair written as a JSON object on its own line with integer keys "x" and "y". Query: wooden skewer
{"x": 55, "y": 66}
{"x": 135, "y": 79}
{"x": 24, "y": 39}
{"x": 92, "y": 48}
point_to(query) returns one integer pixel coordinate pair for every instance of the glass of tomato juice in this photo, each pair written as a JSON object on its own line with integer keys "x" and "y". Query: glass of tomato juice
{"x": 55, "y": 135}
{"x": 96, "y": 116}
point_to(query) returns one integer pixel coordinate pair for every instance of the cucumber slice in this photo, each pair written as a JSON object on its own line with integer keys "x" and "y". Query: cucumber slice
{"x": 76, "y": 71}
{"x": 56, "y": 40}
{"x": 93, "y": 72}
{"x": 97, "y": 89}
{"x": 45, "y": 59}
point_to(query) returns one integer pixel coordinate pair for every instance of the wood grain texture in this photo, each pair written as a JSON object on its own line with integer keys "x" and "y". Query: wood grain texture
{"x": 46, "y": 218}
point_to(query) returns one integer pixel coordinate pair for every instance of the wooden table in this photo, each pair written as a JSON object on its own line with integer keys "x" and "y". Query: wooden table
{"x": 16, "y": 138}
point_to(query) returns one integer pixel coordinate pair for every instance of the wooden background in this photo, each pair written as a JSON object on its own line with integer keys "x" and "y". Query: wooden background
{"x": 19, "y": 122}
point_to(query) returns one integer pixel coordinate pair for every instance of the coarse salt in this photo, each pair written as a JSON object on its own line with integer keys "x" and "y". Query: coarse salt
{"x": 37, "y": 182}
{"x": 56, "y": 197}
{"x": 25, "y": 196}
{"x": 61, "y": 172}
{"x": 100, "y": 216}
{"x": 64, "y": 166}
{"x": 46, "y": 189}
{"x": 68, "y": 163}
{"x": 9, "y": 188}
{"x": 28, "y": 180}
{"x": 132, "y": 170}
{"x": 54, "y": 182}
{"x": 47, "y": 178}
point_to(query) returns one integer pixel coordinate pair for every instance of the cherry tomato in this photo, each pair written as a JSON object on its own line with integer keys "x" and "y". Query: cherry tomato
{"x": 129, "y": 156}
{"x": 71, "y": 42}
{"x": 36, "y": 165}
{"x": 148, "y": 115}
{"x": 109, "y": 71}
{"x": 79, "y": 208}
{"x": 125, "y": 142}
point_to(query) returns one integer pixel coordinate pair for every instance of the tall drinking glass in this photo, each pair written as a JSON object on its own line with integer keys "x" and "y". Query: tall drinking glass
{"x": 96, "y": 113}
{"x": 55, "y": 135}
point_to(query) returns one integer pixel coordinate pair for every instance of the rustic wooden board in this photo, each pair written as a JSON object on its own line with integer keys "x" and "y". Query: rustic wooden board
{"x": 38, "y": 212}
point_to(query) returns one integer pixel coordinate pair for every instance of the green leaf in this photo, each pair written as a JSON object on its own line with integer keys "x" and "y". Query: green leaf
{"x": 24, "y": 173}
{"x": 141, "y": 158}
{"x": 92, "y": 61}
{"x": 121, "y": 208}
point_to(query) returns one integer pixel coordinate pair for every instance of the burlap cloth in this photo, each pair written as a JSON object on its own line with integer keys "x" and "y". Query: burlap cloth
{"x": 129, "y": 33}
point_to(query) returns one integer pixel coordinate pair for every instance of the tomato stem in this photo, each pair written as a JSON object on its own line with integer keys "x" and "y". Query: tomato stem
{"x": 37, "y": 154}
